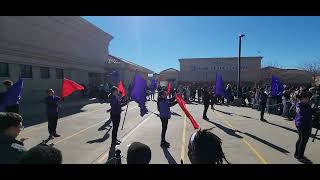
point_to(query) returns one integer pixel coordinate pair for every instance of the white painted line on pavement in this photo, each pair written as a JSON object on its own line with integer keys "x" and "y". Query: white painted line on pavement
{"x": 66, "y": 119}
{"x": 79, "y": 132}
{"x": 183, "y": 145}
{"x": 105, "y": 155}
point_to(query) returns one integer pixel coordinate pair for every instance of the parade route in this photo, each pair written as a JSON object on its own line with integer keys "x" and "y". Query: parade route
{"x": 86, "y": 136}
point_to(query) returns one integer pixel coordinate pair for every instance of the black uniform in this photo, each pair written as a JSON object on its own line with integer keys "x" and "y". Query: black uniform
{"x": 115, "y": 113}
{"x": 11, "y": 150}
{"x": 263, "y": 103}
{"x": 212, "y": 96}
{"x": 13, "y": 108}
{"x": 199, "y": 94}
{"x": 206, "y": 103}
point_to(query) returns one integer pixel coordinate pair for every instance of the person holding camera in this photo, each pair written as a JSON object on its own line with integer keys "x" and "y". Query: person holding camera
{"x": 303, "y": 122}
{"x": 42, "y": 154}
{"x": 116, "y": 104}
{"x": 205, "y": 148}
{"x": 11, "y": 150}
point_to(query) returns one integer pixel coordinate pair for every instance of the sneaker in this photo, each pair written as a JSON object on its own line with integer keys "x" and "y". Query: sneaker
{"x": 56, "y": 135}
{"x": 118, "y": 141}
{"x": 115, "y": 143}
{"x": 206, "y": 118}
{"x": 263, "y": 120}
{"x": 165, "y": 144}
{"x": 50, "y": 137}
{"x": 304, "y": 160}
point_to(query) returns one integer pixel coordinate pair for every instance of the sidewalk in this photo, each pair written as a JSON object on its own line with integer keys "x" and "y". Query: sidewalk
{"x": 35, "y": 113}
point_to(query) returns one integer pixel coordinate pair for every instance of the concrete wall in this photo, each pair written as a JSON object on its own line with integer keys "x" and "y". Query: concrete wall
{"x": 66, "y": 42}
{"x": 35, "y": 87}
{"x": 205, "y": 69}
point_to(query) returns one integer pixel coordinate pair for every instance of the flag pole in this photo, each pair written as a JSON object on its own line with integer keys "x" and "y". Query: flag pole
{"x": 125, "y": 114}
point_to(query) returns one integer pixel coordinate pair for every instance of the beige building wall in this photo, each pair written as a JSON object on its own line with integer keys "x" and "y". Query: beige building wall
{"x": 67, "y": 42}
{"x": 169, "y": 75}
{"x": 126, "y": 69}
{"x": 205, "y": 69}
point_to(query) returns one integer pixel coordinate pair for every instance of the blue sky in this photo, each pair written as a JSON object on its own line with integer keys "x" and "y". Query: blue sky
{"x": 157, "y": 42}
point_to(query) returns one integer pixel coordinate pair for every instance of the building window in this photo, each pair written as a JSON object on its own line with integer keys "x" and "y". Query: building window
{"x": 59, "y": 73}
{"x": 4, "y": 70}
{"x": 44, "y": 72}
{"x": 26, "y": 71}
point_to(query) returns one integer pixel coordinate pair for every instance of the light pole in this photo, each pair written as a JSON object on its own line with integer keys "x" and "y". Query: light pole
{"x": 239, "y": 64}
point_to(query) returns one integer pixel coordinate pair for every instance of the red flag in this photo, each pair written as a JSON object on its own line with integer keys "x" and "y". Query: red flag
{"x": 121, "y": 89}
{"x": 182, "y": 104}
{"x": 169, "y": 89}
{"x": 69, "y": 87}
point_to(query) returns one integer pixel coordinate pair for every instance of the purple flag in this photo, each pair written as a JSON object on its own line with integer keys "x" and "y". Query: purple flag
{"x": 12, "y": 96}
{"x": 138, "y": 93}
{"x": 219, "y": 86}
{"x": 276, "y": 86}
{"x": 153, "y": 85}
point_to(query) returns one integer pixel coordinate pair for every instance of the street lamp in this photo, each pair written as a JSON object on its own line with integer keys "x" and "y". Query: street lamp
{"x": 239, "y": 64}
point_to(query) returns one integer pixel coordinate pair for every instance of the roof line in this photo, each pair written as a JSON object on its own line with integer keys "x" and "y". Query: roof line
{"x": 130, "y": 62}
{"x": 220, "y": 58}
{"x": 169, "y": 69}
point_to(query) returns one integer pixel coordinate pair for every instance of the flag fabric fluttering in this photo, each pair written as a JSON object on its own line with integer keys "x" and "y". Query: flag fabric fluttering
{"x": 276, "y": 86}
{"x": 153, "y": 85}
{"x": 219, "y": 86}
{"x": 69, "y": 87}
{"x": 139, "y": 93}
{"x": 182, "y": 105}
{"x": 12, "y": 96}
{"x": 121, "y": 89}
{"x": 169, "y": 89}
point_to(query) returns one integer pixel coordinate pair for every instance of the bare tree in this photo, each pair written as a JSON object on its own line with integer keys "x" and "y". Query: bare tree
{"x": 312, "y": 66}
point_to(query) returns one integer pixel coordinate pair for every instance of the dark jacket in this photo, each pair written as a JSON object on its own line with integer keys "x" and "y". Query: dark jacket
{"x": 303, "y": 118}
{"x": 11, "y": 150}
{"x": 206, "y": 97}
{"x": 164, "y": 107}
{"x": 52, "y": 105}
{"x": 116, "y": 103}
{"x": 262, "y": 97}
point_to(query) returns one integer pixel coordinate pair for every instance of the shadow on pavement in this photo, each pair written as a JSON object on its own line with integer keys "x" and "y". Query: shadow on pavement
{"x": 228, "y": 131}
{"x": 267, "y": 143}
{"x": 100, "y": 140}
{"x": 230, "y": 114}
{"x": 156, "y": 114}
{"x": 37, "y": 114}
{"x": 227, "y": 113}
{"x": 175, "y": 114}
{"x": 289, "y": 129}
{"x": 106, "y": 136}
{"x": 168, "y": 156}
{"x": 105, "y": 125}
